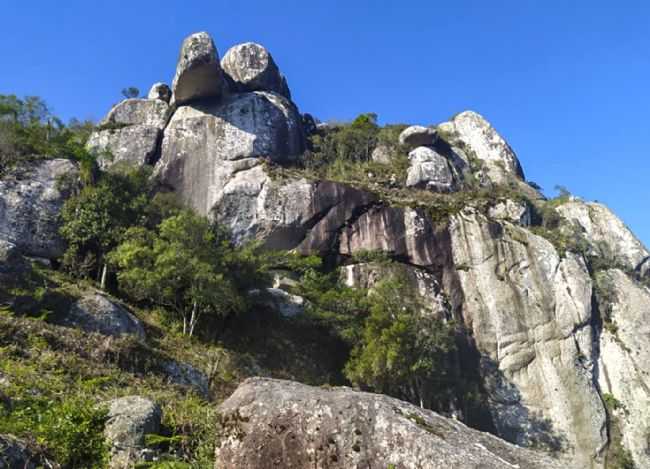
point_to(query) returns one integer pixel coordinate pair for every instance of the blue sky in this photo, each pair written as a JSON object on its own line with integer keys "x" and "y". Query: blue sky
{"x": 566, "y": 82}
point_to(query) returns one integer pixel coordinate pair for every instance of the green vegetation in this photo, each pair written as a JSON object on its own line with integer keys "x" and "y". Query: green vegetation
{"x": 29, "y": 131}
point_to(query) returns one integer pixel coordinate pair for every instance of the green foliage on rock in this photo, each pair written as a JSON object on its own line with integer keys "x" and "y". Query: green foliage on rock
{"x": 29, "y": 131}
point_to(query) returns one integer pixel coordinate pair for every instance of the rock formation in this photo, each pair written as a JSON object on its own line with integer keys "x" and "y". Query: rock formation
{"x": 251, "y": 68}
{"x": 285, "y": 424}
{"x": 31, "y": 198}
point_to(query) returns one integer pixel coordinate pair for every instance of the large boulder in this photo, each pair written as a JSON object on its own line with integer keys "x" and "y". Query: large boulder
{"x": 129, "y": 420}
{"x": 15, "y": 454}
{"x": 278, "y": 423}
{"x": 160, "y": 91}
{"x": 252, "y": 68}
{"x": 95, "y": 312}
{"x": 624, "y": 356}
{"x": 130, "y": 133}
{"x": 31, "y": 198}
{"x": 198, "y": 72}
{"x": 134, "y": 145}
{"x": 470, "y": 134}
{"x": 206, "y": 145}
{"x": 12, "y": 262}
{"x": 529, "y": 312}
{"x": 430, "y": 170}
{"x": 607, "y": 235}
{"x": 417, "y": 136}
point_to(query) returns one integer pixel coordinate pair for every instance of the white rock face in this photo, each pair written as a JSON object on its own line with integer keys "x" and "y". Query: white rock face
{"x": 606, "y": 233}
{"x": 252, "y": 68}
{"x": 513, "y": 211}
{"x": 530, "y": 314}
{"x": 477, "y": 138}
{"x": 417, "y": 135}
{"x": 205, "y": 146}
{"x": 429, "y": 170}
{"x": 381, "y": 154}
{"x": 624, "y": 358}
{"x": 198, "y": 72}
{"x": 132, "y": 133}
{"x": 160, "y": 91}
{"x": 31, "y": 198}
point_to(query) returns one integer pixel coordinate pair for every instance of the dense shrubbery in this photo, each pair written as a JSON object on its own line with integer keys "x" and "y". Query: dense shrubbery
{"x": 28, "y": 131}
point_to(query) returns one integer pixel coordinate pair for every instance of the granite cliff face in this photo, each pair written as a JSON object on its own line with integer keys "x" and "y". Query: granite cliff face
{"x": 558, "y": 337}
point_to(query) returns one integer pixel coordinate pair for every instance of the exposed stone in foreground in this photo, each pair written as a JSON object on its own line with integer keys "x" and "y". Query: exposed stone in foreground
{"x": 207, "y": 145}
{"x": 417, "y": 136}
{"x": 530, "y": 314}
{"x": 198, "y": 72}
{"x": 429, "y": 170}
{"x": 252, "y": 68}
{"x": 607, "y": 235}
{"x": 129, "y": 420}
{"x": 624, "y": 357}
{"x": 286, "y": 424}
{"x": 15, "y": 454}
{"x": 31, "y": 198}
{"x": 160, "y": 91}
{"x": 95, "y": 312}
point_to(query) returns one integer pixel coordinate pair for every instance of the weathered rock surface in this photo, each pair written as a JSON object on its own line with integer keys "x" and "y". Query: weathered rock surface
{"x": 252, "y": 68}
{"x": 417, "y": 136}
{"x": 404, "y": 233}
{"x": 129, "y": 420}
{"x": 608, "y": 236}
{"x": 149, "y": 112}
{"x": 429, "y": 170}
{"x": 15, "y": 454}
{"x": 470, "y": 133}
{"x": 514, "y": 211}
{"x": 95, "y": 312}
{"x": 381, "y": 154}
{"x": 530, "y": 314}
{"x": 160, "y": 91}
{"x": 184, "y": 374}
{"x": 624, "y": 357}
{"x": 135, "y": 145}
{"x": 207, "y": 145}
{"x": 31, "y": 198}
{"x": 287, "y": 424}
{"x": 198, "y": 72}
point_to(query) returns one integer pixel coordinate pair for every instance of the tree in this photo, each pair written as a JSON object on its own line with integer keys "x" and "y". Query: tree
{"x": 95, "y": 220}
{"x": 402, "y": 351}
{"x": 130, "y": 92}
{"x": 179, "y": 266}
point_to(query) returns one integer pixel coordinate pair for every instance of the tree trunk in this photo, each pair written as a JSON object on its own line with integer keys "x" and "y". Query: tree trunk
{"x": 102, "y": 283}
{"x": 194, "y": 318}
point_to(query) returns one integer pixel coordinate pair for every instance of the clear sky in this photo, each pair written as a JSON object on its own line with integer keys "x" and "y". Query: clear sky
{"x": 565, "y": 82}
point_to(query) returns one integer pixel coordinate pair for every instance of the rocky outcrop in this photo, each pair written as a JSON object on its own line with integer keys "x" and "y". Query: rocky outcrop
{"x": 160, "y": 91}
{"x": 514, "y": 211}
{"x": 95, "y": 312}
{"x": 31, "y": 198}
{"x": 251, "y": 68}
{"x": 470, "y": 134}
{"x": 129, "y": 420}
{"x": 430, "y": 170}
{"x": 529, "y": 312}
{"x": 287, "y": 424}
{"x": 15, "y": 454}
{"x": 207, "y": 145}
{"x": 130, "y": 134}
{"x": 624, "y": 355}
{"x": 184, "y": 374}
{"x": 198, "y": 72}
{"x": 12, "y": 263}
{"x": 381, "y": 154}
{"x": 417, "y": 136}
{"x": 607, "y": 235}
